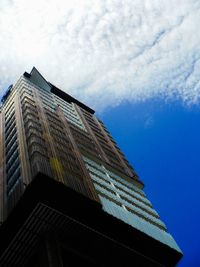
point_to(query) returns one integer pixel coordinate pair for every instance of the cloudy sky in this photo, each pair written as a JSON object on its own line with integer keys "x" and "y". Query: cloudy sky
{"x": 137, "y": 62}
{"x": 106, "y": 52}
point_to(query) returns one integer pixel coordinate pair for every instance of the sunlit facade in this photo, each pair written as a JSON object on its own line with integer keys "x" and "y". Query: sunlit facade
{"x": 58, "y": 161}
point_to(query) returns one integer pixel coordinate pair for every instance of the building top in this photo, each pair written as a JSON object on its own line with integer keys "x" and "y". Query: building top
{"x": 36, "y": 77}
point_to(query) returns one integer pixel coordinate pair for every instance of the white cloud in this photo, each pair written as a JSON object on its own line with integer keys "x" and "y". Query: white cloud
{"x": 105, "y": 51}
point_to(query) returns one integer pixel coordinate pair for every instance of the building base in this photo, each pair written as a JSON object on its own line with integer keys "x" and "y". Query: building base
{"x": 52, "y": 225}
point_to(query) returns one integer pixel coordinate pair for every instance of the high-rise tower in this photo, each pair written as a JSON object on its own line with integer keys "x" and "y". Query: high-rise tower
{"x": 68, "y": 194}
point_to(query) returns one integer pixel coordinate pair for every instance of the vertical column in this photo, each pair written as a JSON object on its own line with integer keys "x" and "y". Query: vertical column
{"x": 57, "y": 170}
{"x": 2, "y": 168}
{"x": 87, "y": 181}
{"x": 23, "y": 150}
{"x": 127, "y": 170}
{"x": 13, "y": 186}
{"x": 101, "y": 152}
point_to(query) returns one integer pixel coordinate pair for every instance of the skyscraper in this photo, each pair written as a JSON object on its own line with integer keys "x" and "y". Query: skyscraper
{"x": 68, "y": 194}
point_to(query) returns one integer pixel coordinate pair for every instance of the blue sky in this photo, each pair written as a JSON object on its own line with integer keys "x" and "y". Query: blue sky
{"x": 138, "y": 64}
{"x": 161, "y": 140}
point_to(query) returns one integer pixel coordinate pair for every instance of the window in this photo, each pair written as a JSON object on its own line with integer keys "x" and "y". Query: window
{"x": 121, "y": 192}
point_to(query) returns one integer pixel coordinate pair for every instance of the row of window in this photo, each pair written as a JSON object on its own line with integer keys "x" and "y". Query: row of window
{"x": 10, "y": 110}
{"x": 52, "y": 116}
{"x": 112, "y": 157}
{"x": 72, "y": 116}
{"x": 107, "y": 184}
{"x": 37, "y": 147}
{"x": 109, "y": 152}
{"x": 94, "y": 127}
{"x": 69, "y": 112}
{"x": 133, "y": 208}
{"x": 138, "y": 223}
{"x": 119, "y": 184}
{"x": 26, "y": 91}
{"x": 56, "y": 132}
{"x": 63, "y": 102}
{"x": 65, "y": 151}
{"x": 49, "y": 100}
{"x": 10, "y": 124}
{"x": 26, "y": 98}
{"x": 60, "y": 139}
{"x": 117, "y": 148}
{"x": 114, "y": 163}
{"x": 9, "y": 103}
{"x": 29, "y": 109}
{"x": 117, "y": 179}
{"x": 84, "y": 141}
{"x": 123, "y": 195}
{"x": 28, "y": 84}
{"x": 40, "y": 163}
{"x": 33, "y": 127}
{"x": 98, "y": 134}
{"x": 10, "y": 132}
{"x": 45, "y": 94}
{"x": 68, "y": 108}
{"x": 48, "y": 103}
{"x": 13, "y": 180}
{"x": 103, "y": 142}
{"x": 12, "y": 154}
{"x": 86, "y": 113}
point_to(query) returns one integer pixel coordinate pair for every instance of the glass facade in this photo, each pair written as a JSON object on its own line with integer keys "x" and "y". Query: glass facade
{"x": 127, "y": 202}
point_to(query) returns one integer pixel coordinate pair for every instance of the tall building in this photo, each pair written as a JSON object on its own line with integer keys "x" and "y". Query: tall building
{"x": 68, "y": 195}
